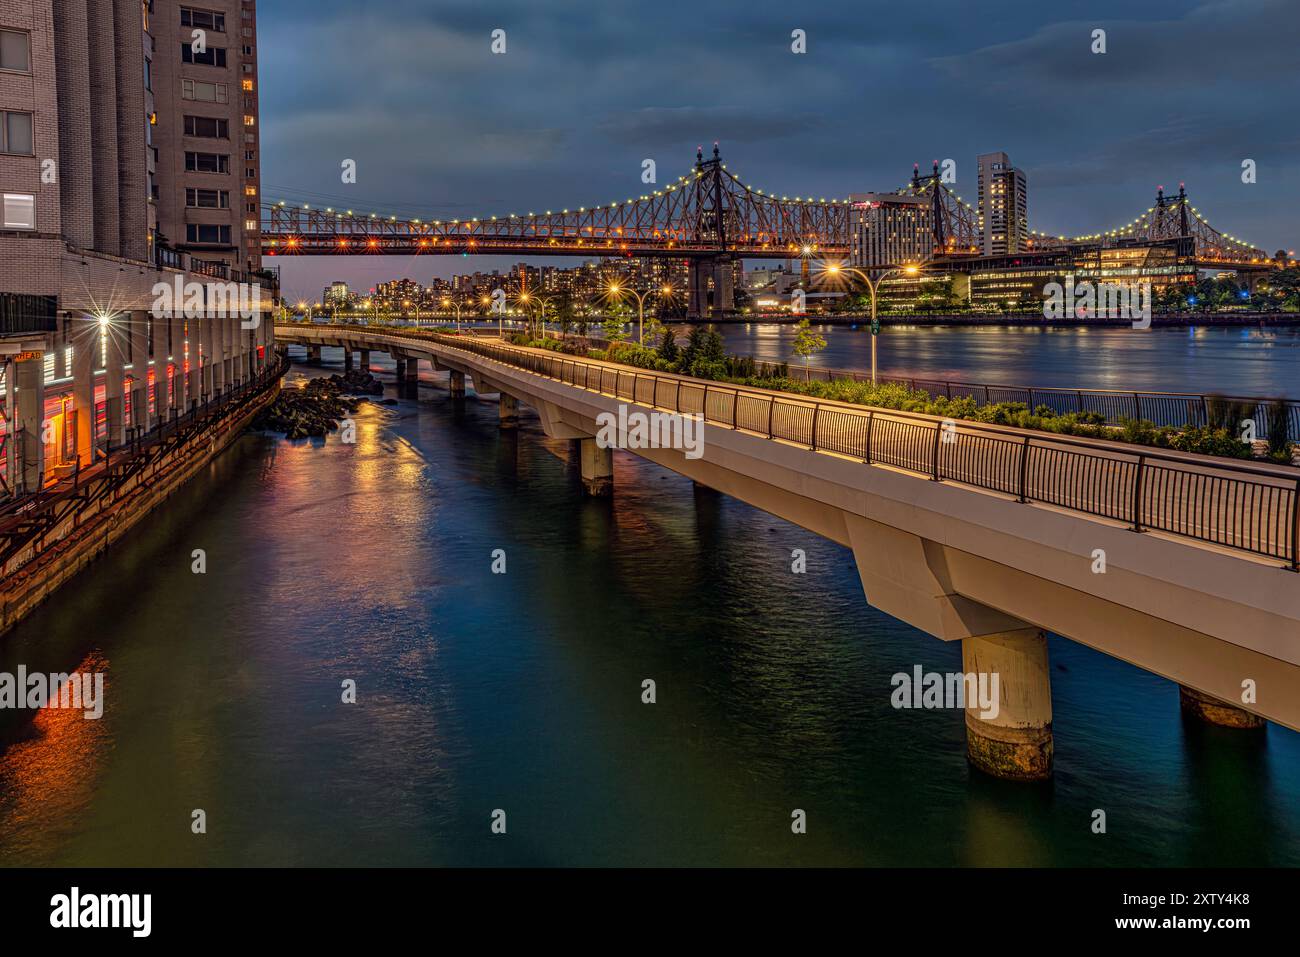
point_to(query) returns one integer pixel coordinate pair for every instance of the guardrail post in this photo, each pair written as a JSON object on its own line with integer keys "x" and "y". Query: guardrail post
{"x": 1137, "y": 494}
{"x": 771, "y": 408}
{"x": 871, "y": 422}
{"x": 1024, "y": 471}
{"x": 938, "y": 438}
{"x": 816, "y": 411}
{"x": 1295, "y": 528}
{"x": 677, "y": 397}
{"x": 735, "y": 405}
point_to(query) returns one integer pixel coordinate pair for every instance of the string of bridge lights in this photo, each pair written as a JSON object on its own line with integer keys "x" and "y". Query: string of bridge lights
{"x": 772, "y": 197}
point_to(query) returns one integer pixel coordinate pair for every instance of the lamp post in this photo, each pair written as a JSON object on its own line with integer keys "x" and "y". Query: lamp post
{"x": 835, "y": 269}
{"x": 616, "y": 292}
{"x": 456, "y": 303}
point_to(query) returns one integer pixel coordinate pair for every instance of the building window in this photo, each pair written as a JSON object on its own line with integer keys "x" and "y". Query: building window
{"x": 203, "y": 19}
{"x": 16, "y": 133}
{"x": 207, "y": 163}
{"x": 207, "y": 198}
{"x": 148, "y": 74}
{"x": 248, "y": 86}
{"x": 250, "y": 120}
{"x": 250, "y": 225}
{"x": 19, "y": 211}
{"x": 207, "y": 234}
{"x": 207, "y": 126}
{"x": 204, "y": 92}
{"x": 15, "y": 51}
{"x": 212, "y": 56}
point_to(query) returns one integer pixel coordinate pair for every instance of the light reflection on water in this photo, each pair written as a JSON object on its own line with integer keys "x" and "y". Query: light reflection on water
{"x": 522, "y": 691}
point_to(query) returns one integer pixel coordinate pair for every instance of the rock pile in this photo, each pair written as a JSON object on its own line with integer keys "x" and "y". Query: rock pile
{"x": 313, "y": 410}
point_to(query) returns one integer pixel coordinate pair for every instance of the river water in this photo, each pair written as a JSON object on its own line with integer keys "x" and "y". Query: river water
{"x": 522, "y": 691}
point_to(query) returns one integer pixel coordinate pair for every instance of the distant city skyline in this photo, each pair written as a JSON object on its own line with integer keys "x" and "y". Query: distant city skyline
{"x": 439, "y": 126}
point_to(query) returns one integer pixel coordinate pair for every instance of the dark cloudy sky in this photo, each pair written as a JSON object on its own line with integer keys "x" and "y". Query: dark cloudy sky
{"x": 440, "y": 127}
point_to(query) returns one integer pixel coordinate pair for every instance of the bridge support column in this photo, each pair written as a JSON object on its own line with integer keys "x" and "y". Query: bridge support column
{"x": 347, "y": 360}
{"x": 1215, "y": 710}
{"x": 724, "y": 287}
{"x": 508, "y": 412}
{"x": 411, "y": 381}
{"x": 313, "y": 355}
{"x": 365, "y": 360}
{"x": 457, "y": 382}
{"x": 1016, "y": 742}
{"x": 697, "y": 303}
{"x": 597, "y": 468}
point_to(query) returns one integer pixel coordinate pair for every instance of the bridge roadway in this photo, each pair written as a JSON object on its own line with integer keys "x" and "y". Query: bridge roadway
{"x": 1002, "y": 546}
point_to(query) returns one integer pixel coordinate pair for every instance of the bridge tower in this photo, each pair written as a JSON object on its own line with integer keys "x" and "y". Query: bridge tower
{"x": 712, "y": 215}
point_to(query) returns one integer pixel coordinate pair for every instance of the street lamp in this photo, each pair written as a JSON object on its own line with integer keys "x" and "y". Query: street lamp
{"x": 456, "y": 303}
{"x": 616, "y": 292}
{"x": 835, "y": 269}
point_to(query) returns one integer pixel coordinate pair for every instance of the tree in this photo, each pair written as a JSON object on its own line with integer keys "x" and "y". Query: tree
{"x": 668, "y": 347}
{"x": 807, "y": 343}
{"x": 565, "y": 315}
{"x": 653, "y": 330}
{"x": 613, "y": 326}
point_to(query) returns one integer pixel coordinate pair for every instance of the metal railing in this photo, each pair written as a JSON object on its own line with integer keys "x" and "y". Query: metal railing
{"x": 1252, "y": 508}
{"x": 1178, "y": 409}
{"x": 134, "y": 451}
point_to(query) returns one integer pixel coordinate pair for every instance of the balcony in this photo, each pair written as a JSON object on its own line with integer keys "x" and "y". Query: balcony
{"x": 24, "y": 315}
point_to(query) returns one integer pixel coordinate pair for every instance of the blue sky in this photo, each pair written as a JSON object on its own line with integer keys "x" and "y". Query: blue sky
{"x": 441, "y": 127}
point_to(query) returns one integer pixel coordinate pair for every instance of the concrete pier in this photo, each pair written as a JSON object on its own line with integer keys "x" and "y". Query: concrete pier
{"x": 365, "y": 359}
{"x": 508, "y": 411}
{"x": 1016, "y": 743}
{"x": 347, "y": 360}
{"x": 457, "y": 384}
{"x": 597, "y": 468}
{"x": 313, "y": 355}
{"x": 411, "y": 379}
{"x": 1215, "y": 710}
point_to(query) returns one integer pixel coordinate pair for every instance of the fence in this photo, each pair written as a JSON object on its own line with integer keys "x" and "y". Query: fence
{"x": 1251, "y": 508}
{"x": 1162, "y": 408}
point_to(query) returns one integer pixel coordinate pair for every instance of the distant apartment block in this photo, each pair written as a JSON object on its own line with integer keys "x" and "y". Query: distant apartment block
{"x": 1003, "y": 205}
{"x": 889, "y": 229}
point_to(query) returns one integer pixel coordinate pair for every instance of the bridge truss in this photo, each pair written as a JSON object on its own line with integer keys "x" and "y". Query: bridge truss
{"x": 707, "y": 213}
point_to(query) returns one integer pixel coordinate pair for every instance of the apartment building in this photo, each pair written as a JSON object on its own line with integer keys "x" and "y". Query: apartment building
{"x": 101, "y": 108}
{"x": 1003, "y": 205}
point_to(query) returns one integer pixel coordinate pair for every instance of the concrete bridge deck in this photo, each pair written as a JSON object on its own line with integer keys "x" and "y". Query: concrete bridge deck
{"x": 970, "y": 532}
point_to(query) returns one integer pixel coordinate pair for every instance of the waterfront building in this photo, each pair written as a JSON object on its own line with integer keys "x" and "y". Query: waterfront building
{"x": 1003, "y": 204}
{"x": 890, "y": 228}
{"x": 104, "y": 112}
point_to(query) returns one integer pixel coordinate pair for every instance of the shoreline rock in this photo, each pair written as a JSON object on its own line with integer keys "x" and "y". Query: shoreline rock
{"x": 315, "y": 409}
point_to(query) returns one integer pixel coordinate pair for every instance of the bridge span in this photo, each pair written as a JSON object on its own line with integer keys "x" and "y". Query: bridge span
{"x": 1183, "y": 565}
